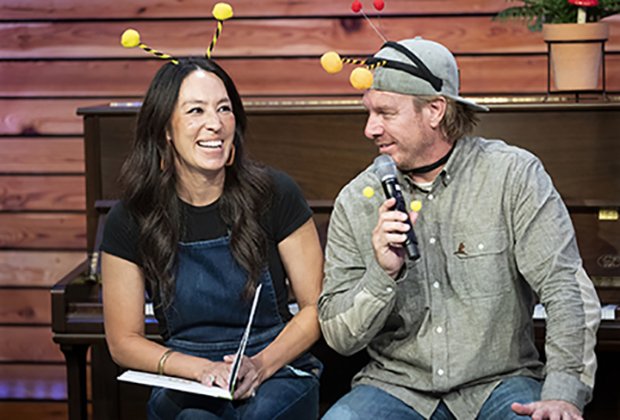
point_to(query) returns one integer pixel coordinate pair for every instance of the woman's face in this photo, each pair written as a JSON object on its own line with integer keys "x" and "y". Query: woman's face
{"x": 202, "y": 126}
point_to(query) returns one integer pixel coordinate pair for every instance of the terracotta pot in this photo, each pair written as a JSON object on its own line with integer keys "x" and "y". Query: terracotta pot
{"x": 576, "y": 54}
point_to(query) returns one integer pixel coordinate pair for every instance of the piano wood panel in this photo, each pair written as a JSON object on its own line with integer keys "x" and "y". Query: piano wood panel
{"x": 35, "y": 155}
{"x": 24, "y": 306}
{"x": 20, "y": 345}
{"x": 60, "y": 231}
{"x": 58, "y": 193}
{"x": 36, "y": 268}
{"x": 77, "y": 9}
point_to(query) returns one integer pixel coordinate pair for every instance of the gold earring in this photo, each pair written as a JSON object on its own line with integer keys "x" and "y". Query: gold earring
{"x": 231, "y": 156}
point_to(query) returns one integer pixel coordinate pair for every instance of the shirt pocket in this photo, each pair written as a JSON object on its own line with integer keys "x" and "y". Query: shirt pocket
{"x": 479, "y": 264}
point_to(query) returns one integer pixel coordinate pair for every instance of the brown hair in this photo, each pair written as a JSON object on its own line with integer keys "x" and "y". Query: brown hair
{"x": 458, "y": 121}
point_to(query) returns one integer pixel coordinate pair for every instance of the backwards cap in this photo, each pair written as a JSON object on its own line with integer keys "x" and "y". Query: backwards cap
{"x": 411, "y": 67}
{"x": 418, "y": 67}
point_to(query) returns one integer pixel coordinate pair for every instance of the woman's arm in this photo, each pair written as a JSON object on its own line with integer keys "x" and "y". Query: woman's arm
{"x": 123, "y": 310}
{"x": 302, "y": 257}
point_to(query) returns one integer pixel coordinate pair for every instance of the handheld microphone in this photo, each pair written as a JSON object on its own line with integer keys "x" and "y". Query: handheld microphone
{"x": 385, "y": 168}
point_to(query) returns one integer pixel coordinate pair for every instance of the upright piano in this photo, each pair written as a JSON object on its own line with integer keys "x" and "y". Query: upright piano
{"x": 321, "y": 144}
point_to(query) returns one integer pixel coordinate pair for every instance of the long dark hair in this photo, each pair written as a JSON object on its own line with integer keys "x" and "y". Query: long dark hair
{"x": 149, "y": 181}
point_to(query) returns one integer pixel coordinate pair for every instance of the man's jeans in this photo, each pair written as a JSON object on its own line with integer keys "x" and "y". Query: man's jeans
{"x": 368, "y": 402}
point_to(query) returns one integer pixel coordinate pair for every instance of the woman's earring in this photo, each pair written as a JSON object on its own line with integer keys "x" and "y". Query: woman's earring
{"x": 231, "y": 156}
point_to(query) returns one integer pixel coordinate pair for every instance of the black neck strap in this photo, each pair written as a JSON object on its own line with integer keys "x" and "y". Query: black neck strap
{"x": 434, "y": 165}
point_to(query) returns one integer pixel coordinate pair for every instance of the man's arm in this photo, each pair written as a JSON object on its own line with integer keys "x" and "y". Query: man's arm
{"x": 548, "y": 257}
{"x": 358, "y": 295}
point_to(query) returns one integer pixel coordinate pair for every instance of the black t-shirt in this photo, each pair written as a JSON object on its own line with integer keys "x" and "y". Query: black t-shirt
{"x": 288, "y": 211}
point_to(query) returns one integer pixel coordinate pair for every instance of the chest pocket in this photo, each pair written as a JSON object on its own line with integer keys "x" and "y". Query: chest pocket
{"x": 479, "y": 264}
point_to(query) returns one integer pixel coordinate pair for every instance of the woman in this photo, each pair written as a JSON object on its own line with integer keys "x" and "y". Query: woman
{"x": 199, "y": 228}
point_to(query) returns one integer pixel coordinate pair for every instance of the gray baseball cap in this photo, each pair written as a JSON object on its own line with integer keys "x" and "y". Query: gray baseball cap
{"x": 419, "y": 67}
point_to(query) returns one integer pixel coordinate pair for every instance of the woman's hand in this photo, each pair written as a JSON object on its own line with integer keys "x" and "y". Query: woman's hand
{"x": 248, "y": 377}
{"x": 215, "y": 374}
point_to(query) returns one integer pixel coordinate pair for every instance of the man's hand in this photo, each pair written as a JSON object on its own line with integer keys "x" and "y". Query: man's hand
{"x": 389, "y": 235}
{"x": 550, "y": 409}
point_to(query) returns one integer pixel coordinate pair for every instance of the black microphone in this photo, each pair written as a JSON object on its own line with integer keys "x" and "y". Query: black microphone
{"x": 385, "y": 168}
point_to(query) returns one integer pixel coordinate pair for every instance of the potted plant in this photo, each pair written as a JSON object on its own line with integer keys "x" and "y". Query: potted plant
{"x": 574, "y": 33}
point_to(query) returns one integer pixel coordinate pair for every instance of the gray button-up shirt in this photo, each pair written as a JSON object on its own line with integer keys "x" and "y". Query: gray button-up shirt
{"x": 494, "y": 235}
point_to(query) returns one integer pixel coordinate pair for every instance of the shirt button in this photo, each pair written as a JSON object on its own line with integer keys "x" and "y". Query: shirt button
{"x": 439, "y": 330}
{"x": 436, "y": 285}
{"x": 431, "y": 196}
{"x": 389, "y": 289}
{"x": 440, "y": 372}
{"x": 480, "y": 247}
{"x": 432, "y": 240}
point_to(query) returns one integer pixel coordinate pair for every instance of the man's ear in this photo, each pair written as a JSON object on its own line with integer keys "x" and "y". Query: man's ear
{"x": 437, "y": 111}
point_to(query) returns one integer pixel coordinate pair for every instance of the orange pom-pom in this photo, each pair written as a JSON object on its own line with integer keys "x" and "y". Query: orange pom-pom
{"x": 331, "y": 62}
{"x": 361, "y": 78}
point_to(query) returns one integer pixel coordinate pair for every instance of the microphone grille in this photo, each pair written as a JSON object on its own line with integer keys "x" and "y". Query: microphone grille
{"x": 384, "y": 166}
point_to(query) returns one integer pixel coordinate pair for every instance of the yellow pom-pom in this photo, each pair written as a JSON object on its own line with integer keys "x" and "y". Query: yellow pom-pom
{"x": 361, "y": 78}
{"x": 331, "y": 62}
{"x": 368, "y": 192}
{"x": 222, "y": 11}
{"x": 130, "y": 38}
{"x": 416, "y": 205}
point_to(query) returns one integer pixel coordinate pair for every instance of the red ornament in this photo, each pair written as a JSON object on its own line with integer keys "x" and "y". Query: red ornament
{"x": 379, "y": 4}
{"x": 584, "y": 3}
{"x": 356, "y": 6}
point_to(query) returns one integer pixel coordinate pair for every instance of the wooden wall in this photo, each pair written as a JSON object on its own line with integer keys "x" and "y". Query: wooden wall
{"x": 61, "y": 55}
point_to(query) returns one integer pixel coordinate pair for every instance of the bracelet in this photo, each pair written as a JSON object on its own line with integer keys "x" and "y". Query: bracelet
{"x": 162, "y": 360}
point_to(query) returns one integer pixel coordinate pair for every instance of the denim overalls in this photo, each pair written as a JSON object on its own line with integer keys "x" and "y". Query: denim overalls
{"x": 207, "y": 319}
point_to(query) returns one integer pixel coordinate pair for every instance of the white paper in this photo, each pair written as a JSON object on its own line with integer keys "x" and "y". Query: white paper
{"x": 181, "y": 384}
{"x": 172, "y": 382}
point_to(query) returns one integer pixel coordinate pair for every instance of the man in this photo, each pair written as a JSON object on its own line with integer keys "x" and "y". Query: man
{"x": 450, "y": 334}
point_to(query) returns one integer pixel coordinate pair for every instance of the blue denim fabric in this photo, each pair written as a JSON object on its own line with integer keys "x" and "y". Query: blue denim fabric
{"x": 283, "y": 396}
{"x": 372, "y": 403}
{"x": 519, "y": 389}
{"x": 368, "y": 402}
{"x": 207, "y": 319}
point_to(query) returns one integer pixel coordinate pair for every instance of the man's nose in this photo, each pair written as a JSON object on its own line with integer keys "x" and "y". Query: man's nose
{"x": 374, "y": 128}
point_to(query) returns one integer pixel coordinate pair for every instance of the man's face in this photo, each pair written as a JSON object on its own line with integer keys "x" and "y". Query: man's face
{"x": 397, "y": 128}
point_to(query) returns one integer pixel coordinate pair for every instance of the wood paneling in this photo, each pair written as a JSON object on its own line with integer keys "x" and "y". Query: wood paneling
{"x": 270, "y": 38}
{"x": 76, "y": 9}
{"x": 34, "y": 268}
{"x": 24, "y": 306}
{"x": 43, "y": 117}
{"x": 35, "y": 155}
{"x": 58, "y": 56}
{"x": 33, "y": 381}
{"x": 37, "y": 193}
{"x": 273, "y": 38}
{"x": 259, "y": 77}
{"x": 488, "y": 75}
{"x": 20, "y": 345}
{"x": 41, "y": 230}
{"x": 48, "y": 410}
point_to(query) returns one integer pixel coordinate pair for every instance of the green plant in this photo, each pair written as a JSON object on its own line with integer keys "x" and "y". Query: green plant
{"x": 537, "y": 12}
